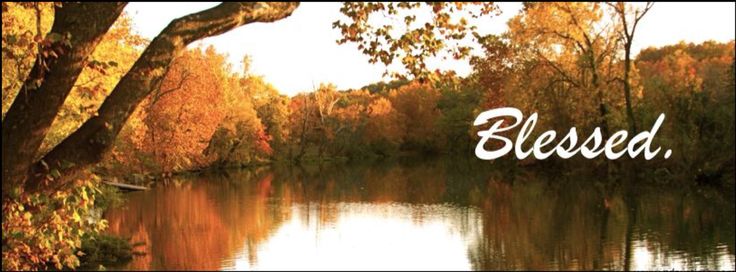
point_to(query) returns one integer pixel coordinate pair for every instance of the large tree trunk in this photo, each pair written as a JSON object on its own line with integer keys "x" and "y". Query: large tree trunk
{"x": 87, "y": 145}
{"x": 48, "y": 84}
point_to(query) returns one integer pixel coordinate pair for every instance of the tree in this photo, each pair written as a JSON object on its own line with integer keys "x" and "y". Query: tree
{"x": 347, "y": 125}
{"x": 574, "y": 52}
{"x": 239, "y": 140}
{"x": 183, "y": 115}
{"x": 458, "y": 103}
{"x": 693, "y": 84}
{"x": 429, "y": 30}
{"x": 302, "y": 122}
{"x": 59, "y": 62}
{"x": 629, "y": 22}
{"x": 272, "y": 108}
{"x": 384, "y": 130}
{"x": 77, "y": 29}
{"x": 241, "y": 137}
{"x": 64, "y": 63}
{"x": 491, "y": 71}
{"x": 416, "y": 104}
{"x": 24, "y": 25}
{"x": 325, "y": 99}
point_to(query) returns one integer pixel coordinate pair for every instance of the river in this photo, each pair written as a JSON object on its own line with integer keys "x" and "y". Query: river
{"x": 430, "y": 215}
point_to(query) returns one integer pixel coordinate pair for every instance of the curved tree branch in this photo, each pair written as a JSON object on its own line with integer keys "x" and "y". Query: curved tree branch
{"x": 49, "y": 82}
{"x": 88, "y": 144}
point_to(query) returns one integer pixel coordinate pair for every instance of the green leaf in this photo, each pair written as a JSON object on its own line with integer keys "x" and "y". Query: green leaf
{"x": 55, "y": 173}
{"x": 66, "y": 164}
{"x": 54, "y": 37}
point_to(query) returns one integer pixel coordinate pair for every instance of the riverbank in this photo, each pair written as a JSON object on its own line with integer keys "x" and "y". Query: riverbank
{"x": 613, "y": 171}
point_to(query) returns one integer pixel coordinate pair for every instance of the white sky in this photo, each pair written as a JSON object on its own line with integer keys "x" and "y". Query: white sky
{"x": 299, "y": 52}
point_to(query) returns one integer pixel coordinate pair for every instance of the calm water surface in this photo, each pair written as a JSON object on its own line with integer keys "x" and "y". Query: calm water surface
{"x": 433, "y": 215}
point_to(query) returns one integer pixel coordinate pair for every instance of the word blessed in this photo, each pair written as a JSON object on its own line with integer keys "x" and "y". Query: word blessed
{"x": 566, "y": 148}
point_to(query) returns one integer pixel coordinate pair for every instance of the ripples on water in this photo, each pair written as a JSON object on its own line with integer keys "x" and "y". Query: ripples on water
{"x": 431, "y": 216}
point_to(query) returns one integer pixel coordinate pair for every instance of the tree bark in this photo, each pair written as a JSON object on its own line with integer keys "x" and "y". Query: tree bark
{"x": 627, "y": 88}
{"x": 48, "y": 84}
{"x": 87, "y": 145}
{"x": 627, "y": 34}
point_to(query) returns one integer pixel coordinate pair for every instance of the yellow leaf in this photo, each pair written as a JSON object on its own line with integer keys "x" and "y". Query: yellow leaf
{"x": 84, "y": 194}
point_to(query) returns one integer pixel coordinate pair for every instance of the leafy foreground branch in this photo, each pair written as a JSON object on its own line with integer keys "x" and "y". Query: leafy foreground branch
{"x": 45, "y": 231}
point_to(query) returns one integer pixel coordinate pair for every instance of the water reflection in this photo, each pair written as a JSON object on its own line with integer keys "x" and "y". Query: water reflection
{"x": 367, "y": 236}
{"x": 432, "y": 215}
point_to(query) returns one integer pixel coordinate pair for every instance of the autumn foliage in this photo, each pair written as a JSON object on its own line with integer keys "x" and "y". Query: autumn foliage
{"x": 555, "y": 59}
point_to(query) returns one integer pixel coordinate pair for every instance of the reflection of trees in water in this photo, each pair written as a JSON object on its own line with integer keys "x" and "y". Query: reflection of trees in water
{"x": 542, "y": 223}
{"x": 528, "y": 220}
{"x": 198, "y": 225}
{"x": 677, "y": 222}
{"x": 173, "y": 222}
{"x": 535, "y": 225}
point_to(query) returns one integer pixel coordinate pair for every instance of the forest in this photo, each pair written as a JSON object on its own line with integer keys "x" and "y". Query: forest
{"x": 83, "y": 104}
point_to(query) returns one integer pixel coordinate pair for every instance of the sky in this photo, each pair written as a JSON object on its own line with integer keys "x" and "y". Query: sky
{"x": 299, "y": 52}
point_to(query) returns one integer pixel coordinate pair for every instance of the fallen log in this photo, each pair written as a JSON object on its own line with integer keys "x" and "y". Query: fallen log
{"x": 128, "y": 187}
